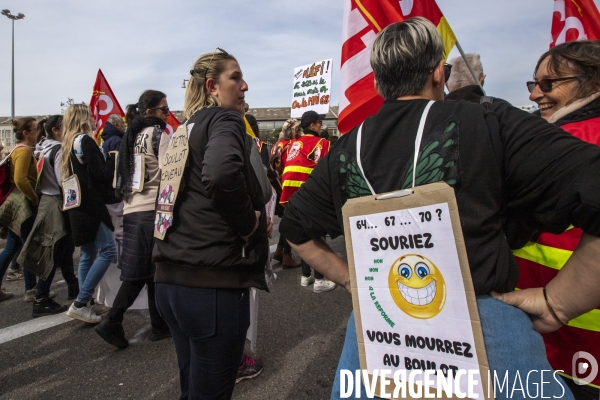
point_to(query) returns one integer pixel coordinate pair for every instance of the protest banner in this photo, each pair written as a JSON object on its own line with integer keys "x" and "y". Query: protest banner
{"x": 412, "y": 291}
{"x": 312, "y": 88}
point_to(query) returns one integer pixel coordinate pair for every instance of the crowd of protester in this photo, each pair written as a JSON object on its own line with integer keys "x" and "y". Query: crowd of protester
{"x": 519, "y": 180}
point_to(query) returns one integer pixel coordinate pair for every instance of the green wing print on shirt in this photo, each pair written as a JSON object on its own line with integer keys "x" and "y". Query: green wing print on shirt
{"x": 352, "y": 182}
{"x": 438, "y": 157}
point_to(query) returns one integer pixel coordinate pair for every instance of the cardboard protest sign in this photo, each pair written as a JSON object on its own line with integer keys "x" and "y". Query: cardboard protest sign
{"x": 312, "y": 88}
{"x": 172, "y": 166}
{"x": 412, "y": 292}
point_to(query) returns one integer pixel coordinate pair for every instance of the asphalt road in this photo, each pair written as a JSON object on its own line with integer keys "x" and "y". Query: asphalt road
{"x": 300, "y": 336}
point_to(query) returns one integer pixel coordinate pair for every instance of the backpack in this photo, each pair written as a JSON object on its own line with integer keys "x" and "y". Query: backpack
{"x": 486, "y": 99}
{"x": 6, "y": 186}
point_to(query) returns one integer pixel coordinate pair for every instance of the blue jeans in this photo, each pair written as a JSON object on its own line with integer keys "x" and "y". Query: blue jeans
{"x": 511, "y": 345}
{"x": 92, "y": 269}
{"x": 13, "y": 246}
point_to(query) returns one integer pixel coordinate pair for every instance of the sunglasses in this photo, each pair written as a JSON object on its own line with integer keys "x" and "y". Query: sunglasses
{"x": 164, "y": 109}
{"x": 546, "y": 84}
{"x": 447, "y": 71}
{"x": 220, "y": 50}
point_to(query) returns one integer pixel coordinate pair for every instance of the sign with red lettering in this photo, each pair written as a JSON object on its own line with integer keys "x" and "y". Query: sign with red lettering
{"x": 312, "y": 88}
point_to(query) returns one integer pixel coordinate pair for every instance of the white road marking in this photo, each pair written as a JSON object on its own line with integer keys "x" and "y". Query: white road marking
{"x": 39, "y": 324}
{"x": 32, "y": 326}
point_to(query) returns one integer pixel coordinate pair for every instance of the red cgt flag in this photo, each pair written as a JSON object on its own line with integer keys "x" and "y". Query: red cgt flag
{"x": 574, "y": 20}
{"x": 363, "y": 19}
{"x": 103, "y": 103}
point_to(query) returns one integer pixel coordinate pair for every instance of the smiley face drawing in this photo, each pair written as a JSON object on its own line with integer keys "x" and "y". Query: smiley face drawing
{"x": 417, "y": 286}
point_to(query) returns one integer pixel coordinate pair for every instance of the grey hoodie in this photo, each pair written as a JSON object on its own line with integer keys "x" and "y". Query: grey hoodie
{"x": 50, "y": 181}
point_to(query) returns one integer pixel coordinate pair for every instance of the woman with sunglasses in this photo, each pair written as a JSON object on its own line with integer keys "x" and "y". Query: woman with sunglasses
{"x": 566, "y": 88}
{"x": 146, "y": 122}
{"x": 217, "y": 245}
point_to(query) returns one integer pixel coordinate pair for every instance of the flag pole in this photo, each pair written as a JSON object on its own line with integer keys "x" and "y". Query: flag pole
{"x": 462, "y": 53}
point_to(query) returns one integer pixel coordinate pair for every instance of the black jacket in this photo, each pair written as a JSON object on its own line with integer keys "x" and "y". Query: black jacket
{"x": 111, "y": 138}
{"x": 497, "y": 158}
{"x": 473, "y": 94}
{"x": 95, "y": 177}
{"x": 214, "y": 209}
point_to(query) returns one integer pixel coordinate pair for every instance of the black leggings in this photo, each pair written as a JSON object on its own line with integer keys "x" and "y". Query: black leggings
{"x": 126, "y": 296}
{"x": 63, "y": 258}
{"x": 306, "y": 271}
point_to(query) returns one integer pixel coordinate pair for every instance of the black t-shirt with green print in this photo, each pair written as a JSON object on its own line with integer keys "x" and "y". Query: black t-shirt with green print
{"x": 501, "y": 161}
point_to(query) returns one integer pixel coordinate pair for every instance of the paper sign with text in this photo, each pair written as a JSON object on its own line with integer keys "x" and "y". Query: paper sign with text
{"x": 172, "y": 166}
{"x": 312, "y": 88}
{"x": 139, "y": 168}
{"x": 413, "y": 297}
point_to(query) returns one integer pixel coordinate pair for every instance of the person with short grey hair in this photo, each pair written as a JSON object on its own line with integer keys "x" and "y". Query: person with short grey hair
{"x": 115, "y": 119}
{"x": 499, "y": 160}
{"x": 461, "y": 76}
{"x": 461, "y": 84}
{"x": 112, "y": 134}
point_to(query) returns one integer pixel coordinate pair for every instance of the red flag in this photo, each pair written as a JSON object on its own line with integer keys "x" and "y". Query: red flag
{"x": 103, "y": 103}
{"x": 363, "y": 19}
{"x": 172, "y": 124}
{"x": 574, "y": 20}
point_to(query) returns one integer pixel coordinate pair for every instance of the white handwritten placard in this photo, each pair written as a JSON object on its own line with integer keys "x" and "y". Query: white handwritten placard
{"x": 312, "y": 88}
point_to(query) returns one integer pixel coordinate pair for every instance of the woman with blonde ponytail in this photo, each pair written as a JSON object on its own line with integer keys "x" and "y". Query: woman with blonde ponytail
{"x": 90, "y": 222}
{"x": 217, "y": 247}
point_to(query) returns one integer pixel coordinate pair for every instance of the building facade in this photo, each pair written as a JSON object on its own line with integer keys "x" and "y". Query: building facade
{"x": 271, "y": 119}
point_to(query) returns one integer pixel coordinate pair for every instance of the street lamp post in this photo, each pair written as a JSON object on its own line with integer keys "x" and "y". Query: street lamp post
{"x": 13, "y": 18}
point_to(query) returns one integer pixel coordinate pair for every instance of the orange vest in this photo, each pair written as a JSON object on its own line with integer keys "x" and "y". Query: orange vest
{"x": 540, "y": 261}
{"x": 281, "y": 145}
{"x": 299, "y": 160}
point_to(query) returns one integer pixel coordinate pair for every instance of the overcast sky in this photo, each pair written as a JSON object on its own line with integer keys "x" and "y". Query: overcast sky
{"x": 151, "y": 44}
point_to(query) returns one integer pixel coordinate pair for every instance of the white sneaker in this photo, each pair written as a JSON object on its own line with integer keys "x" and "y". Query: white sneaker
{"x": 84, "y": 314}
{"x": 307, "y": 280}
{"x": 13, "y": 275}
{"x": 323, "y": 285}
{"x": 99, "y": 308}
